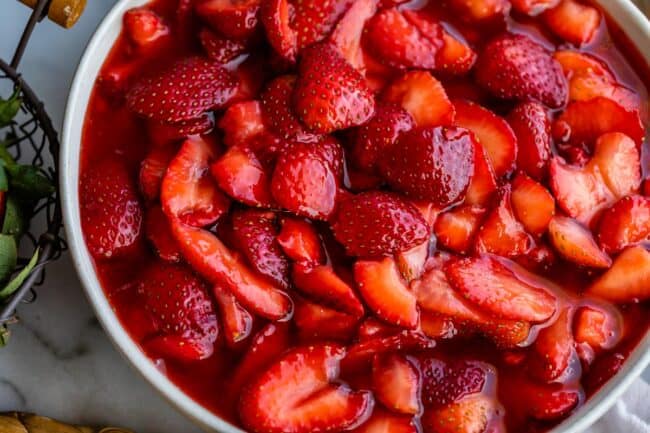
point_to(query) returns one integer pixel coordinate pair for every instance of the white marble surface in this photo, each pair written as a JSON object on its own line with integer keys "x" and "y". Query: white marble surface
{"x": 59, "y": 362}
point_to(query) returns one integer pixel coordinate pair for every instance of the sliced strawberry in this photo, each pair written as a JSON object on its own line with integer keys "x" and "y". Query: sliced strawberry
{"x": 411, "y": 263}
{"x": 492, "y": 131}
{"x": 378, "y": 223}
{"x": 533, "y": 7}
{"x": 372, "y": 327}
{"x": 396, "y": 383}
{"x": 240, "y": 174}
{"x": 322, "y": 283}
{"x": 575, "y": 63}
{"x": 554, "y": 355}
{"x": 543, "y": 402}
{"x": 111, "y": 214}
{"x": 314, "y": 21}
{"x": 182, "y": 310}
{"x": 276, "y": 16}
{"x": 298, "y": 395}
{"x": 205, "y": 86}
{"x": 188, "y": 192}
{"x": 455, "y": 57}
{"x": 162, "y": 134}
{"x": 470, "y": 415}
{"x": 533, "y": 204}
{"x": 501, "y": 233}
{"x": 237, "y": 321}
{"x": 385, "y": 292}
{"x": 360, "y": 354}
{"x": 444, "y": 384}
{"x": 217, "y": 264}
{"x": 483, "y": 185}
{"x": 386, "y": 422}
{"x": 516, "y": 67}
{"x": 596, "y": 328}
{"x": 433, "y": 164}
{"x": 220, "y": 49}
{"x": 503, "y": 290}
{"x": 476, "y": 11}
{"x": 424, "y": 97}
{"x": 144, "y": 27}
{"x": 506, "y": 334}
{"x": 330, "y": 94}
{"x": 575, "y": 243}
{"x": 304, "y": 182}
{"x": 115, "y": 80}
{"x": 628, "y": 280}
{"x": 160, "y": 235}
{"x": 152, "y": 171}
{"x": 236, "y": 19}
{"x": 347, "y": 34}
{"x": 317, "y": 322}
{"x": 455, "y": 229}
{"x": 300, "y": 241}
{"x": 437, "y": 326}
{"x": 379, "y": 133}
{"x": 619, "y": 161}
{"x": 573, "y": 21}
{"x": 532, "y": 128}
{"x": 603, "y": 369}
{"x": 624, "y": 224}
{"x": 241, "y": 122}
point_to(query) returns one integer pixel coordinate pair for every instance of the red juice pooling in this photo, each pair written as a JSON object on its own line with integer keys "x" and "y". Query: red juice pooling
{"x": 433, "y": 217}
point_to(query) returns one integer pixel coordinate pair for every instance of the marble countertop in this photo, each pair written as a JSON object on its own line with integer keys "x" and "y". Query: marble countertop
{"x": 59, "y": 362}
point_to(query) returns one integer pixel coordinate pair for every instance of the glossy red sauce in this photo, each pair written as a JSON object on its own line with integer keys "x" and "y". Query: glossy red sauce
{"x": 110, "y": 128}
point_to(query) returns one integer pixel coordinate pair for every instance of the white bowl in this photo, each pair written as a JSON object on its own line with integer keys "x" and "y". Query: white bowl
{"x": 623, "y": 12}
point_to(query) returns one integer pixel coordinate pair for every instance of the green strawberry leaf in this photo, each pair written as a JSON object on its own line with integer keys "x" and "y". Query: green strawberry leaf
{"x": 9, "y": 108}
{"x": 14, "y": 221}
{"x": 18, "y": 280}
{"x": 8, "y": 256}
{"x": 4, "y": 335}
{"x": 28, "y": 182}
{"x": 4, "y": 182}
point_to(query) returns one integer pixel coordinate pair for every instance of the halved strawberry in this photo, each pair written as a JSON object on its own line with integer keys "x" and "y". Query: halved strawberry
{"x": 159, "y": 233}
{"x": 347, "y": 34}
{"x": 434, "y": 164}
{"x": 317, "y": 322}
{"x": 378, "y": 223}
{"x": 624, "y": 224}
{"x": 111, "y": 214}
{"x": 298, "y": 395}
{"x": 219, "y": 48}
{"x": 208, "y": 256}
{"x": 447, "y": 383}
{"x": 619, "y": 161}
{"x": 183, "y": 91}
{"x": 476, "y": 11}
{"x": 533, "y": 7}
{"x": 504, "y": 290}
{"x": 152, "y": 170}
{"x": 501, "y": 233}
{"x": 596, "y": 328}
{"x": 573, "y": 21}
{"x": 385, "y": 422}
{"x": 383, "y": 289}
{"x": 492, "y": 131}
{"x": 470, "y": 415}
{"x": 411, "y": 262}
{"x": 236, "y": 19}
{"x": 144, "y": 27}
{"x": 188, "y": 192}
{"x": 576, "y": 244}
{"x": 533, "y": 204}
{"x": 455, "y": 229}
{"x": 455, "y": 57}
{"x": 396, "y": 383}
{"x": 322, "y": 283}
{"x": 483, "y": 185}
{"x": 240, "y": 174}
{"x": 314, "y": 21}
{"x": 516, "y": 67}
{"x": 241, "y": 122}
{"x": 628, "y": 280}
{"x": 184, "y": 314}
{"x": 553, "y": 355}
{"x": 162, "y": 133}
{"x": 362, "y": 353}
{"x": 330, "y": 94}
{"x": 532, "y": 127}
{"x": 237, "y": 321}
{"x": 423, "y": 96}
{"x": 276, "y": 18}
{"x": 300, "y": 241}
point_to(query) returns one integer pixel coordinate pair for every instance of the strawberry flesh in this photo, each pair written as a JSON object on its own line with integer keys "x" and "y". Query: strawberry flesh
{"x": 396, "y": 383}
{"x": 532, "y": 127}
{"x": 624, "y": 224}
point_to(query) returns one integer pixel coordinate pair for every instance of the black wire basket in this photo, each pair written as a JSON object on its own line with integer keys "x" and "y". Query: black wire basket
{"x": 32, "y": 139}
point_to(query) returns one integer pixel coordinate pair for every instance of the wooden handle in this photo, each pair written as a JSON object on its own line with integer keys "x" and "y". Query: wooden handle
{"x": 63, "y": 12}
{"x": 28, "y": 423}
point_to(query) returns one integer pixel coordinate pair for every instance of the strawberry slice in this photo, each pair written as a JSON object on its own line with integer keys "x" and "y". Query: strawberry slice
{"x": 439, "y": 327}
{"x": 411, "y": 263}
{"x": 543, "y": 402}
{"x": 483, "y": 185}
{"x": 372, "y": 327}
{"x": 111, "y": 214}
{"x": 480, "y": 11}
{"x": 205, "y": 86}
{"x": 501, "y": 233}
{"x": 444, "y": 384}
{"x": 573, "y": 21}
{"x": 455, "y": 57}
{"x": 208, "y": 256}
{"x": 240, "y": 174}
{"x": 379, "y": 133}
{"x": 362, "y": 353}
{"x": 179, "y": 303}
{"x": 492, "y": 131}
{"x": 471, "y": 415}
{"x": 330, "y": 94}
{"x": 619, "y": 161}
{"x": 433, "y": 164}
{"x": 237, "y": 321}
{"x": 532, "y": 127}
{"x": 322, "y": 283}
{"x": 596, "y": 328}
{"x": 298, "y": 395}
{"x": 628, "y": 280}
{"x": 276, "y": 16}
{"x": 145, "y": 28}
{"x": 624, "y": 224}
{"x": 533, "y": 7}
{"x": 188, "y": 192}
{"x": 378, "y": 223}
{"x": 396, "y": 383}
{"x": 162, "y": 133}
{"x": 317, "y": 322}
{"x": 576, "y": 63}
{"x": 237, "y": 19}
{"x": 576, "y": 244}
{"x": 554, "y": 356}
{"x": 455, "y": 229}
{"x": 533, "y": 204}
{"x": 314, "y": 21}
{"x": 160, "y": 235}
{"x": 424, "y": 97}
{"x": 383, "y": 289}
{"x": 220, "y": 49}
{"x": 152, "y": 170}
{"x": 300, "y": 241}
{"x": 385, "y": 422}
{"x": 516, "y": 67}
{"x": 253, "y": 233}
{"x": 347, "y": 34}
{"x": 241, "y": 122}
{"x": 505, "y": 290}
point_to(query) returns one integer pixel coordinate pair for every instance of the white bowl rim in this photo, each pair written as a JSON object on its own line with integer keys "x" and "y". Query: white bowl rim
{"x": 621, "y": 11}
